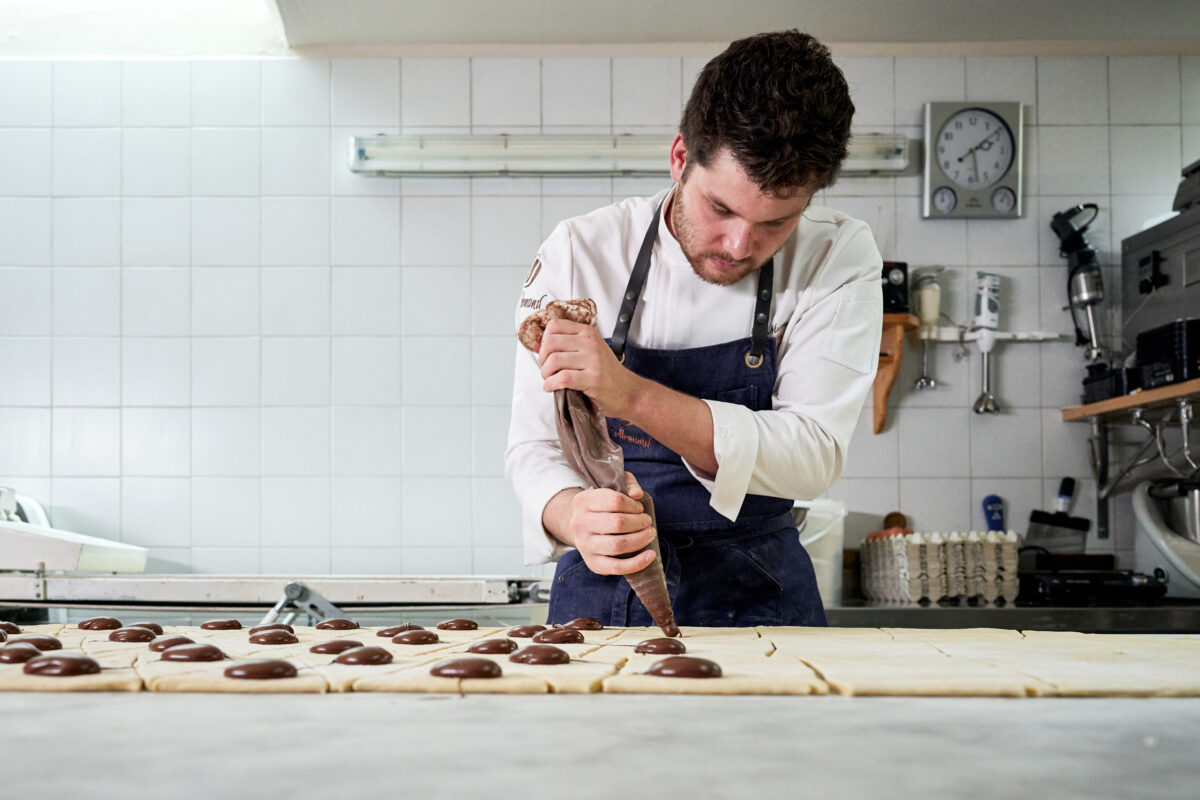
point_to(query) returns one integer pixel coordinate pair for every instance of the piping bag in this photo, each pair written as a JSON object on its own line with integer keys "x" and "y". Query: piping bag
{"x": 594, "y": 456}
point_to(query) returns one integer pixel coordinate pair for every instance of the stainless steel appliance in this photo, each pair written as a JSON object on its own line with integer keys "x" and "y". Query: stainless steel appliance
{"x": 1160, "y": 267}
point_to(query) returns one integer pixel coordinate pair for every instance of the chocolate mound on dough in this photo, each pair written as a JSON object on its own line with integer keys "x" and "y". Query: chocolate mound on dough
{"x": 396, "y": 630}
{"x": 526, "y": 631}
{"x": 274, "y": 626}
{"x": 18, "y": 652}
{"x": 42, "y": 641}
{"x": 458, "y": 625}
{"x": 541, "y": 654}
{"x": 221, "y": 625}
{"x": 559, "y": 636}
{"x": 262, "y": 669}
{"x": 493, "y": 646}
{"x": 364, "y": 655}
{"x": 662, "y": 646}
{"x": 161, "y": 643}
{"x": 193, "y": 652}
{"x": 417, "y": 637}
{"x": 585, "y": 624}
{"x": 150, "y": 626}
{"x": 337, "y": 625}
{"x": 9, "y": 627}
{"x": 466, "y": 668}
{"x": 131, "y": 634}
{"x": 685, "y": 667}
{"x": 274, "y": 636}
{"x": 334, "y": 646}
{"x": 62, "y": 666}
{"x": 100, "y": 624}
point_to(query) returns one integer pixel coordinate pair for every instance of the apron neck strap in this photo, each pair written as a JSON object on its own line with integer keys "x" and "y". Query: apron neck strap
{"x": 633, "y": 290}
{"x": 762, "y": 313}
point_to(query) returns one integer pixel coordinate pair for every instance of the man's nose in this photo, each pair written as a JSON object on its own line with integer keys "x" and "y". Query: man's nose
{"x": 737, "y": 239}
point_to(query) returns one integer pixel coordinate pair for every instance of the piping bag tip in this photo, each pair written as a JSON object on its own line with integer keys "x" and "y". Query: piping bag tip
{"x": 650, "y": 583}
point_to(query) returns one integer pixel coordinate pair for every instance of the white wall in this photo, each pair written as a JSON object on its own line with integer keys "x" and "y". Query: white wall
{"x": 219, "y": 343}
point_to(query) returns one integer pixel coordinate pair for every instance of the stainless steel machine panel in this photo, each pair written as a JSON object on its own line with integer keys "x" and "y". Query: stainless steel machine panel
{"x": 1167, "y": 255}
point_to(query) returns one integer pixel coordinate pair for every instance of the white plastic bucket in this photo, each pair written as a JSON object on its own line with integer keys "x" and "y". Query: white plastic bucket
{"x": 822, "y": 532}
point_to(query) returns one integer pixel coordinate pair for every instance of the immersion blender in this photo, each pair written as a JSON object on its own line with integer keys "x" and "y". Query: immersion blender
{"x": 987, "y": 318}
{"x": 928, "y": 296}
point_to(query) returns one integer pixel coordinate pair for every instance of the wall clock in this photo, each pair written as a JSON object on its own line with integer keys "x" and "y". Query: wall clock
{"x": 973, "y": 159}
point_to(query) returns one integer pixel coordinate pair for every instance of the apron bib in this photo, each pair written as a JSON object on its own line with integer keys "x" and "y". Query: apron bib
{"x": 720, "y": 573}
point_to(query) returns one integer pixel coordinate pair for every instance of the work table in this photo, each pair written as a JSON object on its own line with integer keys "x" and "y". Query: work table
{"x": 204, "y": 746}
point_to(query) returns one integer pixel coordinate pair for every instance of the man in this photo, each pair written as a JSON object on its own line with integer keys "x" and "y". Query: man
{"x": 744, "y": 332}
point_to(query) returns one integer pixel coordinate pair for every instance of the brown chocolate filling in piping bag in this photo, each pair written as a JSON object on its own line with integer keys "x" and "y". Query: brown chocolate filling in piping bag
{"x": 595, "y": 457}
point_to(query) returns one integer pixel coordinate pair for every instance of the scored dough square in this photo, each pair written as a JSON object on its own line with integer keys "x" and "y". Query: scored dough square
{"x": 210, "y": 677}
{"x": 770, "y": 676}
{"x": 416, "y": 678}
{"x": 113, "y": 677}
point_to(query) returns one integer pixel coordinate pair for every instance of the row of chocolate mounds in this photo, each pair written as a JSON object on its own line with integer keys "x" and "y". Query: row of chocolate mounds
{"x": 349, "y": 652}
{"x": 337, "y": 624}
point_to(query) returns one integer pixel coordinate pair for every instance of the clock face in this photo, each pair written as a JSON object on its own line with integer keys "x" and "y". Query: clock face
{"x": 973, "y": 154}
{"x": 974, "y": 148}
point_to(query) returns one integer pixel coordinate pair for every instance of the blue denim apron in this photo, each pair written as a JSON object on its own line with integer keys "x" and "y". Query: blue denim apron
{"x": 751, "y": 571}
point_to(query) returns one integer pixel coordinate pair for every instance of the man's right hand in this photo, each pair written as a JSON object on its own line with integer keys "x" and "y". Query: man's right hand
{"x": 605, "y": 526}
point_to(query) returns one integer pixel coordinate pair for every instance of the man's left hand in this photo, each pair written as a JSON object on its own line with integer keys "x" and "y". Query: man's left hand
{"x": 575, "y": 356}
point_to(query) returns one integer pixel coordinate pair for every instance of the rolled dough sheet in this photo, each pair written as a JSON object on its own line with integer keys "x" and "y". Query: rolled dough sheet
{"x": 910, "y": 673}
{"x": 744, "y": 674}
{"x": 1096, "y": 665}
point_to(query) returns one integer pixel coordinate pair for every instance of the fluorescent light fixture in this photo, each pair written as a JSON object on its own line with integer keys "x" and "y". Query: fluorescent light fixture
{"x": 396, "y": 155}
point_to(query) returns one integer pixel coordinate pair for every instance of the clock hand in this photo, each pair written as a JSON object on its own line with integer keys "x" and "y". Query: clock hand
{"x": 980, "y": 145}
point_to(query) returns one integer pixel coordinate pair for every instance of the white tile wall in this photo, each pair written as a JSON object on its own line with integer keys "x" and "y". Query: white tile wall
{"x": 235, "y": 352}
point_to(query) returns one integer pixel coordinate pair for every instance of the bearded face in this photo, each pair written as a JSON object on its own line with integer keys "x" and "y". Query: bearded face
{"x": 726, "y": 227}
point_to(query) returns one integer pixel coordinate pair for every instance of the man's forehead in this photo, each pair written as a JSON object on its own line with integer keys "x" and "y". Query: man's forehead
{"x": 727, "y": 183}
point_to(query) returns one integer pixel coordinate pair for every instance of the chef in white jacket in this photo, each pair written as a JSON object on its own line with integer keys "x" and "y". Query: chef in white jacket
{"x": 737, "y": 338}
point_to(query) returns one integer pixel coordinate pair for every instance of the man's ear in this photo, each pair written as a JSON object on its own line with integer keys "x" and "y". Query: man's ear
{"x": 678, "y": 157}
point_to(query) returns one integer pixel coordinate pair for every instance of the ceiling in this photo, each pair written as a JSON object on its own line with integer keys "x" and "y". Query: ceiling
{"x": 354, "y": 27}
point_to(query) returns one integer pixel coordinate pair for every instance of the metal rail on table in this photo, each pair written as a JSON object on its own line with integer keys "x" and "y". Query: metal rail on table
{"x": 319, "y": 596}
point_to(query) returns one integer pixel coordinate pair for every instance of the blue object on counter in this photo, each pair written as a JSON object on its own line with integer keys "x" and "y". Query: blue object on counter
{"x": 993, "y": 512}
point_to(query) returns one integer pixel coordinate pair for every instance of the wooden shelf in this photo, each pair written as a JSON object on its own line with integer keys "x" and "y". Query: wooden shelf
{"x": 1148, "y": 398}
{"x": 891, "y": 350}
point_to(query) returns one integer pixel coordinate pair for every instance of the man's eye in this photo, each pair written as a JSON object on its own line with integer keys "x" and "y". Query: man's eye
{"x": 721, "y": 212}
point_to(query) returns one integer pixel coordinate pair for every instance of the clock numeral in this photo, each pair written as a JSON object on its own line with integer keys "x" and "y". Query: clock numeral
{"x": 948, "y": 136}
{"x": 946, "y": 164}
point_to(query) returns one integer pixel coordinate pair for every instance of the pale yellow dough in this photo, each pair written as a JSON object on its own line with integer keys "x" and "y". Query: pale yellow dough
{"x": 782, "y": 660}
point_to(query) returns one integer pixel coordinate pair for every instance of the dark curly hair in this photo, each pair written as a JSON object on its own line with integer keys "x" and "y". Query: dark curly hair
{"x": 781, "y": 106}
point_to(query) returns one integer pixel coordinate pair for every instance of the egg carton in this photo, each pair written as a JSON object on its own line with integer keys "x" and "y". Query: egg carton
{"x": 979, "y": 567}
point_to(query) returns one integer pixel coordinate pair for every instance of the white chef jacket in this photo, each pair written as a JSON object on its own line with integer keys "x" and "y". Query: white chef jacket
{"x": 826, "y": 316}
